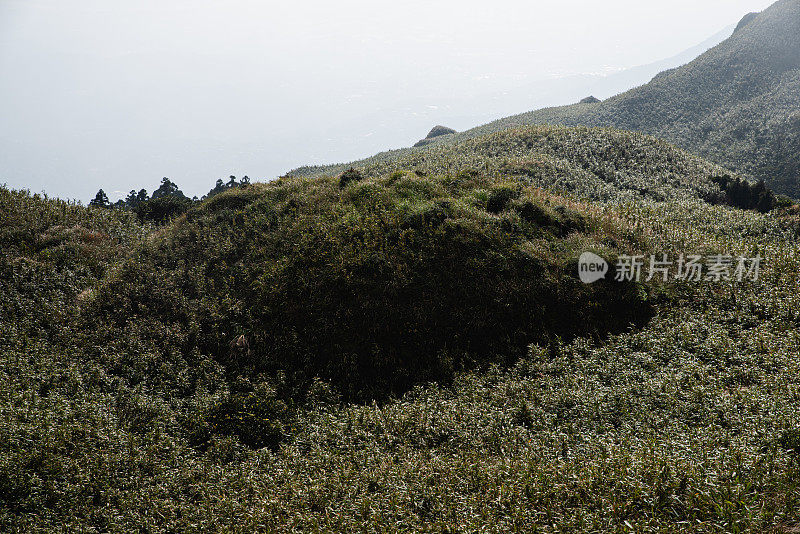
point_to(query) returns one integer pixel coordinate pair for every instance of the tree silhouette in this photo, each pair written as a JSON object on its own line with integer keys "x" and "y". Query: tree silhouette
{"x": 167, "y": 188}
{"x": 131, "y": 199}
{"x": 100, "y": 200}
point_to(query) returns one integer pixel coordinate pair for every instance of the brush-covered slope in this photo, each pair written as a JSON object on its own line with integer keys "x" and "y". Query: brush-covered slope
{"x": 737, "y": 105}
{"x": 50, "y": 252}
{"x": 374, "y": 284}
{"x": 115, "y": 418}
{"x": 402, "y": 272}
{"x": 590, "y": 163}
{"x": 53, "y": 417}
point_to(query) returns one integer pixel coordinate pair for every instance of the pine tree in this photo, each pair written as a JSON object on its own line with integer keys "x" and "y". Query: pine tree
{"x": 100, "y": 200}
{"x": 167, "y": 188}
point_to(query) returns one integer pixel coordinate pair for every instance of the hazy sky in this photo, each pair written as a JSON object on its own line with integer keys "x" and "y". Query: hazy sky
{"x": 116, "y": 94}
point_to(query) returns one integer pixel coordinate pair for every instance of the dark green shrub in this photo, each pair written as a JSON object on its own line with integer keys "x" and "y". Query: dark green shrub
{"x": 742, "y": 194}
{"x": 258, "y": 419}
{"x": 350, "y": 175}
{"x": 500, "y": 197}
{"x": 790, "y": 441}
{"x": 163, "y": 209}
{"x": 784, "y": 202}
{"x": 522, "y": 416}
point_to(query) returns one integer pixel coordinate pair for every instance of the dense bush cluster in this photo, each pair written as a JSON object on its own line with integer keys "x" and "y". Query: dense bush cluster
{"x": 257, "y": 418}
{"x": 744, "y": 195}
{"x": 166, "y": 203}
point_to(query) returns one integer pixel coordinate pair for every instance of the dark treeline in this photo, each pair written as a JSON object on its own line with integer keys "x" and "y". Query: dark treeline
{"x": 748, "y": 196}
{"x": 166, "y": 202}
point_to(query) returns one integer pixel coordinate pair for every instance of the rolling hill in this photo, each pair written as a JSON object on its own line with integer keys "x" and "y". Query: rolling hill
{"x": 405, "y": 345}
{"x": 737, "y": 105}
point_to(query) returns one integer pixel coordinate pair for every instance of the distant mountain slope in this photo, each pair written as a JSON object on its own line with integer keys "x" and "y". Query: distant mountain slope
{"x": 737, "y": 105}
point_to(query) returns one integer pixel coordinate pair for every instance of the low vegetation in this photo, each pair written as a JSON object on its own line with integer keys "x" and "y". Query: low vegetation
{"x": 406, "y": 348}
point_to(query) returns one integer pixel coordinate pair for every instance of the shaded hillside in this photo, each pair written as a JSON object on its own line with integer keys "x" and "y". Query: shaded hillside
{"x": 375, "y": 284}
{"x": 737, "y": 105}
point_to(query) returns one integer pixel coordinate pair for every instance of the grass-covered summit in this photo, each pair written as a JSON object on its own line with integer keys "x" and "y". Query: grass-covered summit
{"x": 596, "y": 164}
{"x": 436, "y": 131}
{"x": 374, "y": 284}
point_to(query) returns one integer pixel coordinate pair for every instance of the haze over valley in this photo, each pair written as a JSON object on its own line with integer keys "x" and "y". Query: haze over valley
{"x": 116, "y": 96}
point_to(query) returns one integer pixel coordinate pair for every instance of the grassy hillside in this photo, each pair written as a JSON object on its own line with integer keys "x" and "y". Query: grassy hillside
{"x": 593, "y": 164}
{"x": 375, "y": 284}
{"x": 221, "y": 372}
{"x": 737, "y": 105}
